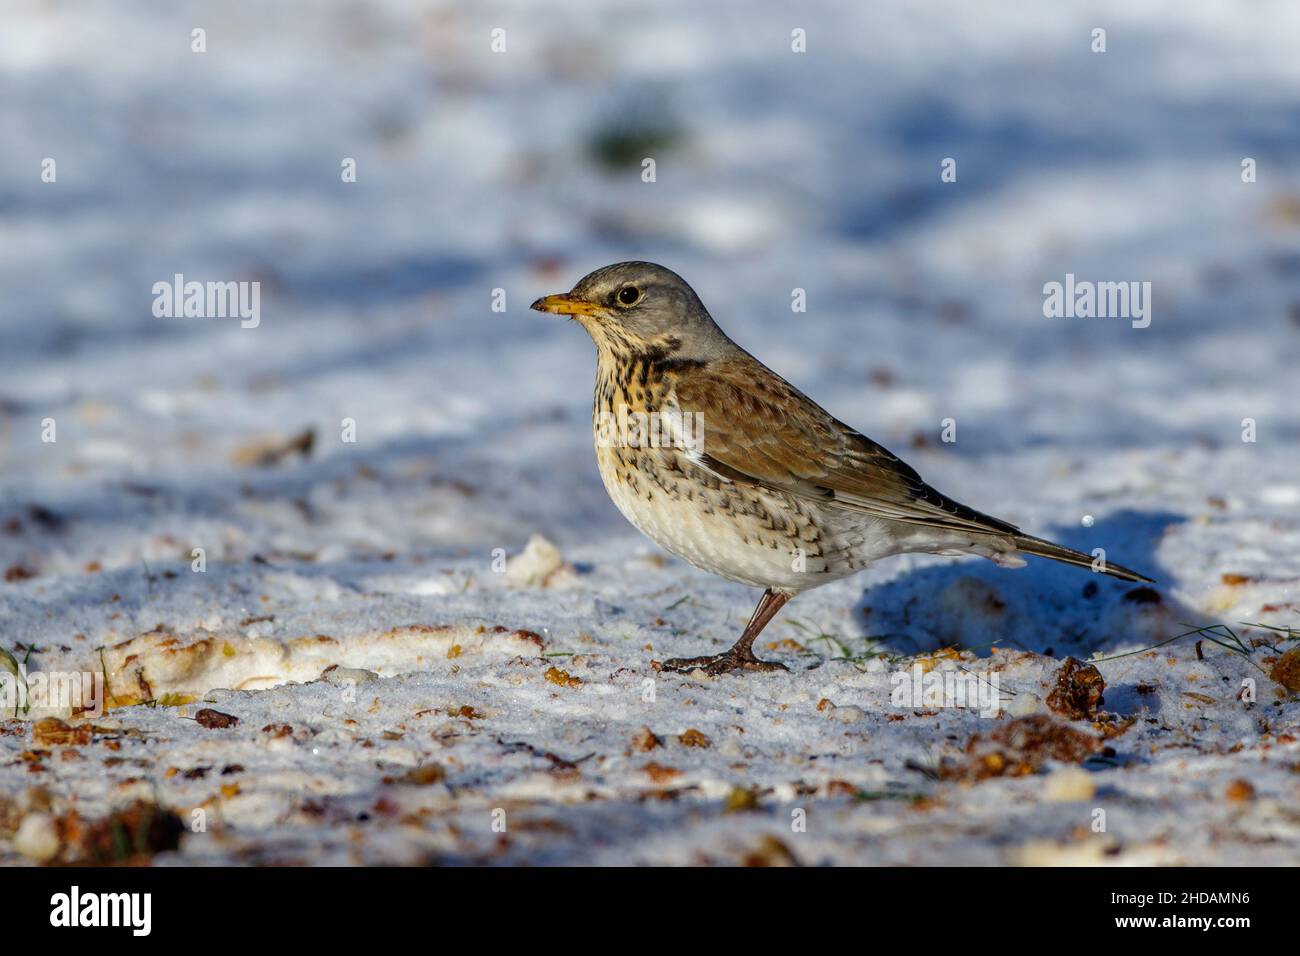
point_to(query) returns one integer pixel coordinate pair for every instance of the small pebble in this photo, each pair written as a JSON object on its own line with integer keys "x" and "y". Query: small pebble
{"x": 536, "y": 566}
{"x": 349, "y": 675}
{"x": 37, "y": 837}
{"x": 1023, "y": 704}
{"x": 848, "y": 714}
{"x": 1069, "y": 785}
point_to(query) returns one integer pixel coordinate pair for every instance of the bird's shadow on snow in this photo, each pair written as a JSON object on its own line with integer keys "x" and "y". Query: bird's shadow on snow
{"x": 1047, "y": 608}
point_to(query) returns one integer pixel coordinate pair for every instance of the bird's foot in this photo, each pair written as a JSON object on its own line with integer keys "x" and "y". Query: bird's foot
{"x": 719, "y": 664}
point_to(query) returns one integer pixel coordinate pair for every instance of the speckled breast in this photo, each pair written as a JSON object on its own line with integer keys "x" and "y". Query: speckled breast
{"x": 746, "y": 534}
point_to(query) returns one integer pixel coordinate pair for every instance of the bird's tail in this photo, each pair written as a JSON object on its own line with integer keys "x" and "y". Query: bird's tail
{"x": 1046, "y": 549}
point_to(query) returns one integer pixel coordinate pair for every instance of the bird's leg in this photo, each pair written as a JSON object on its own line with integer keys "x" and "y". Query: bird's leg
{"x": 741, "y": 654}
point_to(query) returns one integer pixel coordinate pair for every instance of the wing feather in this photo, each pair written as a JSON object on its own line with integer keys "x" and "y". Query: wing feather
{"x": 759, "y": 429}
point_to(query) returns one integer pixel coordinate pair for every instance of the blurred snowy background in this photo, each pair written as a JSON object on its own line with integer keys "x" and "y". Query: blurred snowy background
{"x": 521, "y": 170}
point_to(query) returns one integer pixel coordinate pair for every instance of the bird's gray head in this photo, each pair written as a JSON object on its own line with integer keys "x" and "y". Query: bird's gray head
{"x": 639, "y": 307}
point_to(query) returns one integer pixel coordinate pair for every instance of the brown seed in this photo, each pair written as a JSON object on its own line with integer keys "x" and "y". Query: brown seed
{"x": 693, "y": 738}
{"x": 840, "y": 788}
{"x": 661, "y": 774}
{"x": 562, "y": 678}
{"x": 1240, "y": 791}
{"x": 426, "y": 774}
{"x": 215, "y": 719}
{"x": 644, "y": 740}
{"x": 740, "y": 800}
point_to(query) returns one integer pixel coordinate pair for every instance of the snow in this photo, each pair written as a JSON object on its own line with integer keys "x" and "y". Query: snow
{"x": 388, "y": 558}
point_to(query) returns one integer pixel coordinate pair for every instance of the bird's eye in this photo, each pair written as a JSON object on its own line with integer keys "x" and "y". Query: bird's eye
{"x": 628, "y": 294}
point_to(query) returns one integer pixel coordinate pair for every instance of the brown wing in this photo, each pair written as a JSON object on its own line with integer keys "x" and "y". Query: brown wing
{"x": 759, "y": 429}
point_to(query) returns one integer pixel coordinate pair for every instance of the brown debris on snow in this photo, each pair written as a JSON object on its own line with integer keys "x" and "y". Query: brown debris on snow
{"x": 1018, "y": 748}
{"x": 52, "y": 732}
{"x": 644, "y": 740}
{"x": 693, "y": 738}
{"x": 215, "y": 719}
{"x": 1286, "y": 669}
{"x": 741, "y": 800}
{"x": 660, "y": 773}
{"x": 562, "y": 678}
{"x": 771, "y": 852}
{"x": 269, "y": 451}
{"x": 1078, "y": 690}
{"x": 1239, "y": 791}
{"x": 422, "y": 776}
{"x": 131, "y": 836}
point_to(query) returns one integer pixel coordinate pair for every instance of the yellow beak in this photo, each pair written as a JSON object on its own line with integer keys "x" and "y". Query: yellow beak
{"x": 565, "y": 305}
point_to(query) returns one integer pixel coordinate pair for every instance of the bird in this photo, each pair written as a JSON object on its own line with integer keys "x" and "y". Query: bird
{"x": 722, "y": 462}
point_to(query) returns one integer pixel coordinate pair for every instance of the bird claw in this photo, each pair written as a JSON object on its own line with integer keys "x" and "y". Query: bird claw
{"x": 719, "y": 664}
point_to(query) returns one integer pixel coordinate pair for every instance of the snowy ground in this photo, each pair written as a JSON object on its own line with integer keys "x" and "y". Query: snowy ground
{"x": 466, "y": 701}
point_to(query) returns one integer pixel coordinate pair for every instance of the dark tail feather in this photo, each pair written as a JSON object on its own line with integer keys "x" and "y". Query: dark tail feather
{"x": 1046, "y": 549}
